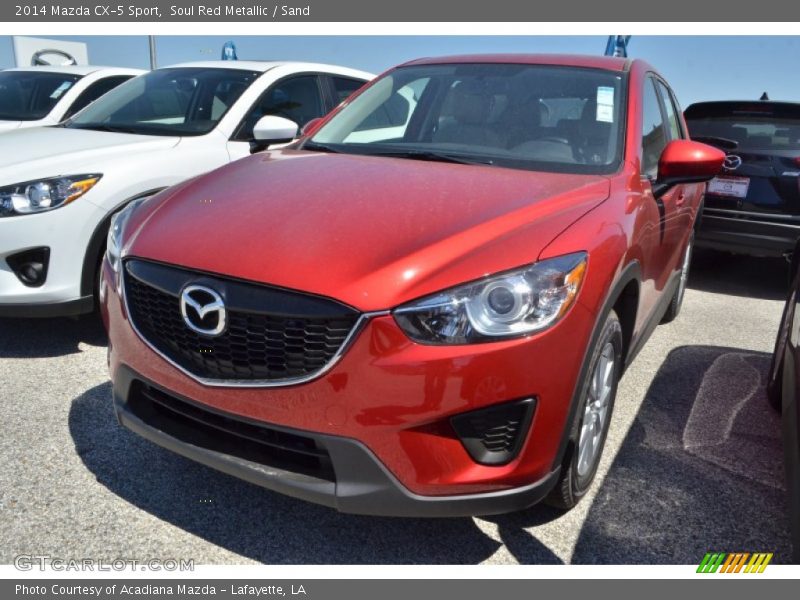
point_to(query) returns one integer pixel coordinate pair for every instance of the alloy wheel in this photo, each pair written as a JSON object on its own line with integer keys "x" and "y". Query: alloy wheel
{"x": 595, "y": 414}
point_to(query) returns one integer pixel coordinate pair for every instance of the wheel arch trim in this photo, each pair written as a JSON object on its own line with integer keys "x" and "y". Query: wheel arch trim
{"x": 631, "y": 272}
{"x": 96, "y": 245}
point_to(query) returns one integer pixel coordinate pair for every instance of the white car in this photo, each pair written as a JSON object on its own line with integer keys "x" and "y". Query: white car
{"x": 37, "y": 96}
{"x": 60, "y": 186}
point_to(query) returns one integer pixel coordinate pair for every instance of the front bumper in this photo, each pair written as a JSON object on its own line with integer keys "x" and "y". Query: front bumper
{"x": 37, "y": 310}
{"x": 747, "y": 233}
{"x": 66, "y": 232}
{"x": 362, "y": 484}
{"x": 383, "y": 413}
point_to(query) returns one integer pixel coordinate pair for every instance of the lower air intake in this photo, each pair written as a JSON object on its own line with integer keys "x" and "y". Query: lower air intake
{"x": 494, "y": 435}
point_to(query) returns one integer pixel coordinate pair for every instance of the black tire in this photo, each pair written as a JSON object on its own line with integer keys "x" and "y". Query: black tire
{"x": 98, "y": 271}
{"x": 576, "y": 478}
{"x": 775, "y": 375}
{"x": 674, "y": 308}
{"x": 775, "y": 384}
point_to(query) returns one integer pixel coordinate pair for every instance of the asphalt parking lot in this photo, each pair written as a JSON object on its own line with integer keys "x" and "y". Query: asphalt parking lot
{"x": 692, "y": 462}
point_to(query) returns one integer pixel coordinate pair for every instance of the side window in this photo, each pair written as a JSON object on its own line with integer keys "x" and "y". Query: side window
{"x": 654, "y": 137}
{"x": 673, "y": 123}
{"x": 393, "y": 113}
{"x": 390, "y": 119}
{"x": 224, "y": 94}
{"x": 94, "y": 91}
{"x": 298, "y": 99}
{"x": 343, "y": 87}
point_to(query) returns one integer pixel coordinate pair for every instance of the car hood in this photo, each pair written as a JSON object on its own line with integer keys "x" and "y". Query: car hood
{"x": 27, "y": 154}
{"x": 372, "y": 232}
{"x": 9, "y": 125}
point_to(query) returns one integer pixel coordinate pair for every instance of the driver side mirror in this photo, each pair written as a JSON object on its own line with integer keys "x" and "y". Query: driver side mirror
{"x": 686, "y": 161}
{"x": 274, "y": 130}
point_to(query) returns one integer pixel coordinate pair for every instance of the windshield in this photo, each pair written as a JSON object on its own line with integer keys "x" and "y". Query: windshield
{"x": 30, "y": 95}
{"x": 182, "y": 101}
{"x": 746, "y": 126}
{"x": 535, "y": 117}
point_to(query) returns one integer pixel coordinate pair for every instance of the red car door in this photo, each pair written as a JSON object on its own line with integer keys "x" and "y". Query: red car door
{"x": 668, "y": 232}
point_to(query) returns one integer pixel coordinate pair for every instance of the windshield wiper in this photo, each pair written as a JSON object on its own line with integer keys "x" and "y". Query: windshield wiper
{"x": 317, "y": 147}
{"x": 397, "y": 153}
{"x": 103, "y": 127}
{"x": 434, "y": 156}
{"x": 721, "y": 142}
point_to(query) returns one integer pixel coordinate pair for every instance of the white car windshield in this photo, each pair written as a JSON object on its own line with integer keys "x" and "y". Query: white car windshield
{"x": 31, "y": 95}
{"x": 536, "y": 117}
{"x": 181, "y": 101}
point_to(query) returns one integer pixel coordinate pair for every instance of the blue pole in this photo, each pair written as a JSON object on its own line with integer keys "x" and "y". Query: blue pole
{"x": 229, "y": 51}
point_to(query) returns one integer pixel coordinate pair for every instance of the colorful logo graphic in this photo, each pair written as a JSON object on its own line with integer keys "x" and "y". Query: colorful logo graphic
{"x": 736, "y": 562}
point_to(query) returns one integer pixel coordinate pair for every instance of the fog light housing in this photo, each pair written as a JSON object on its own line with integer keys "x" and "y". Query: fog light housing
{"x": 494, "y": 435}
{"x": 30, "y": 266}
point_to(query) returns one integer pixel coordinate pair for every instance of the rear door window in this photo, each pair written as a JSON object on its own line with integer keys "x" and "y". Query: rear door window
{"x": 298, "y": 99}
{"x": 344, "y": 86}
{"x": 673, "y": 122}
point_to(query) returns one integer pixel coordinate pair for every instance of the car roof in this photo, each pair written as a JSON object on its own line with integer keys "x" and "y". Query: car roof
{"x": 610, "y": 63}
{"x": 76, "y": 69}
{"x": 749, "y": 103}
{"x": 255, "y": 65}
{"x": 725, "y": 108}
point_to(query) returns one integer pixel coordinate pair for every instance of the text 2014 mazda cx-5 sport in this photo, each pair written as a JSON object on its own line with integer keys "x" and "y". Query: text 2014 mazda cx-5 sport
{"x": 424, "y": 306}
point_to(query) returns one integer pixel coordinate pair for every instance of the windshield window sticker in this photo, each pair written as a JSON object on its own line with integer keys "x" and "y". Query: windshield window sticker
{"x": 60, "y": 90}
{"x": 605, "y": 104}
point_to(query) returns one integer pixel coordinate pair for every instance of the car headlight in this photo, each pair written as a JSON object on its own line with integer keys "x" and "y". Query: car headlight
{"x": 512, "y": 304}
{"x": 44, "y": 194}
{"x": 115, "y": 232}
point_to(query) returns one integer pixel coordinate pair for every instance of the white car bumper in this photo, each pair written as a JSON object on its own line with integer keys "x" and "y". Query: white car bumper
{"x": 66, "y": 232}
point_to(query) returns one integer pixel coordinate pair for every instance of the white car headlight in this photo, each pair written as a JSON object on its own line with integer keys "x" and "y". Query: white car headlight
{"x": 511, "y": 304}
{"x": 44, "y": 194}
{"x": 115, "y": 232}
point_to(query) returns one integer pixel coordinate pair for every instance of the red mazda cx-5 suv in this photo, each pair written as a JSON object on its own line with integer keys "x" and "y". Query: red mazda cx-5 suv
{"x": 423, "y": 306}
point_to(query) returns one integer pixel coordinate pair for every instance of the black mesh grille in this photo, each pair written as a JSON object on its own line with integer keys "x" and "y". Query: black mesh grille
{"x": 259, "y": 443}
{"x": 494, "y": 435}
{"x": 254, "y": 346}
{"x": 498, "y": 437}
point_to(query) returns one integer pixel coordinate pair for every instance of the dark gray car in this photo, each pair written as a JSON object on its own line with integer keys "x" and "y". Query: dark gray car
{"x": 753, "y": 205}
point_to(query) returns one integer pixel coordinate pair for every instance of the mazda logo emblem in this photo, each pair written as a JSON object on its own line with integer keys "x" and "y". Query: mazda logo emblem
{"x": 203, "y": 310}
{"x": 732, "y": 162}
{"x": 52, "y": 57}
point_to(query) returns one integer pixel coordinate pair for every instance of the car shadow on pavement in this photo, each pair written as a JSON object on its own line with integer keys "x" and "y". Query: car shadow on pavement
{"x": 254, "y": 522}
{"x": 735, "y": 275}
{"x": 47, "y": 338}
{"x": 700, "y": 469}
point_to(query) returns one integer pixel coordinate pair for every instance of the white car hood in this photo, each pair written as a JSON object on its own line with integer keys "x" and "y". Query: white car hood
{"x": 9, "y": 125}
{"x": 27, "y": 154}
